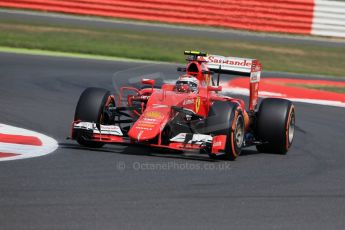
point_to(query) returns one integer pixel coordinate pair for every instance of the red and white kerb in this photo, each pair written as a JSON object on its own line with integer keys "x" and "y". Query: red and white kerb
{"x": 17, "y": 143}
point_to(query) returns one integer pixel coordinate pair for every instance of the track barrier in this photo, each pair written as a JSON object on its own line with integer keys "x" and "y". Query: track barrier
{"x": 308, "y": 17}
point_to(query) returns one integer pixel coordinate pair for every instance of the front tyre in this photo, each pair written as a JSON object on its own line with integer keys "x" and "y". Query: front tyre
{"x": 90, "y": 108}
{"x": 275, "y": 125}
{"x": 226, "y": 118}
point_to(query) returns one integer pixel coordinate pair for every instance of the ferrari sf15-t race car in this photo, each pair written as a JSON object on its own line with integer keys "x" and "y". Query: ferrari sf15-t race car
{"x": 190, "y": 115}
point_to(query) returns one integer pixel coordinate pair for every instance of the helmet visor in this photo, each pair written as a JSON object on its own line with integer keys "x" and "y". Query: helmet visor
{"x": 186, "y": 86}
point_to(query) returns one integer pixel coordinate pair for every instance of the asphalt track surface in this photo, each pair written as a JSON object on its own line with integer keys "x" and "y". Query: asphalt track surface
{"x": 167, "y": 29}
{"x": 80, "y": 188}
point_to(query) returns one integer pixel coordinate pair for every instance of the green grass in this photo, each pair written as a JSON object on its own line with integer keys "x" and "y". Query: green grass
{"x": 163, "y": 47}
{"x": 336, "y": 89}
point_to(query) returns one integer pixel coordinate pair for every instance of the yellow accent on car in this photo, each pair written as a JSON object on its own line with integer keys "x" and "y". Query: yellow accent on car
{"x": 193, "y": 52}
{"x": 197, "y": 104}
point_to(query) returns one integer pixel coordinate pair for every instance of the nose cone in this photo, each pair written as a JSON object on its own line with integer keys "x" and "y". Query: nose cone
{"x": 149, "y": 125}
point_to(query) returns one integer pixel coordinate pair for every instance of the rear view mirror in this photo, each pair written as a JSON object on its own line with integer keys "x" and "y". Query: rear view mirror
{"x": 148, "y": 81}
{"x": 214, "y": 88}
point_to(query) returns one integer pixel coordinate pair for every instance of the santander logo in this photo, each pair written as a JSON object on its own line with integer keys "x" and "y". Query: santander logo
{"x": 229, "y": 61}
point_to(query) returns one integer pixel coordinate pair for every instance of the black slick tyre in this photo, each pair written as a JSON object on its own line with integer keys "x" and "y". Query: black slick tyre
{"x": 275, "y": 125}
{"x": 226, "y": 118}
{"x": 90, "y": 109}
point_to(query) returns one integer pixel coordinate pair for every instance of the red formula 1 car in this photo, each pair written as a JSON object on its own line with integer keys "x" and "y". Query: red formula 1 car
{"x": 191, "y": 114}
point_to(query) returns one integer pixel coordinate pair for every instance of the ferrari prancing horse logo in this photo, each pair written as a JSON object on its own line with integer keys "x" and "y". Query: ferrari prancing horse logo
{"x": 207, "y": 79}
{"x": 197, "y": 104}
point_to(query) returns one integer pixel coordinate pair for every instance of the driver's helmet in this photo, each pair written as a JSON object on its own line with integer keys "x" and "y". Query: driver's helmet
{"x": 187, "y": 84}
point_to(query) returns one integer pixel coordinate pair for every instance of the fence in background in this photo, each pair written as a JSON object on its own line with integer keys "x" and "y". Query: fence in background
{"x": 329, "y": 18}
{"x": 317, "y": 17}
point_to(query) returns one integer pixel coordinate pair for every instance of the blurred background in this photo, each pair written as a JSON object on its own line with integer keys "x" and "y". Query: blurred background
{"x": 299, "y": 36}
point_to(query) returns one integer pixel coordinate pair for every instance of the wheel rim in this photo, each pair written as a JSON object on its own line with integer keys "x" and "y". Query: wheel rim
{"x": 291, "y": 126}
{"x": 239, "y": 132}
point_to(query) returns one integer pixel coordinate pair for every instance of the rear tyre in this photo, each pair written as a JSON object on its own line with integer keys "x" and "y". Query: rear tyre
{"x": 226, "y": 118}
{"x": 90, "y": 109}
{"x": 275, "y": 125}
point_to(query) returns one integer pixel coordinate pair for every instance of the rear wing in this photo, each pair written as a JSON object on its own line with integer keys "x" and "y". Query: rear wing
{"x": 234, "y": 65}
{"x": 238, "y": 66}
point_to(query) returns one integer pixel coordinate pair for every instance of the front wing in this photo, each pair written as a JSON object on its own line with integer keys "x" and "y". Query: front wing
{"x": 113, "y": 134}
